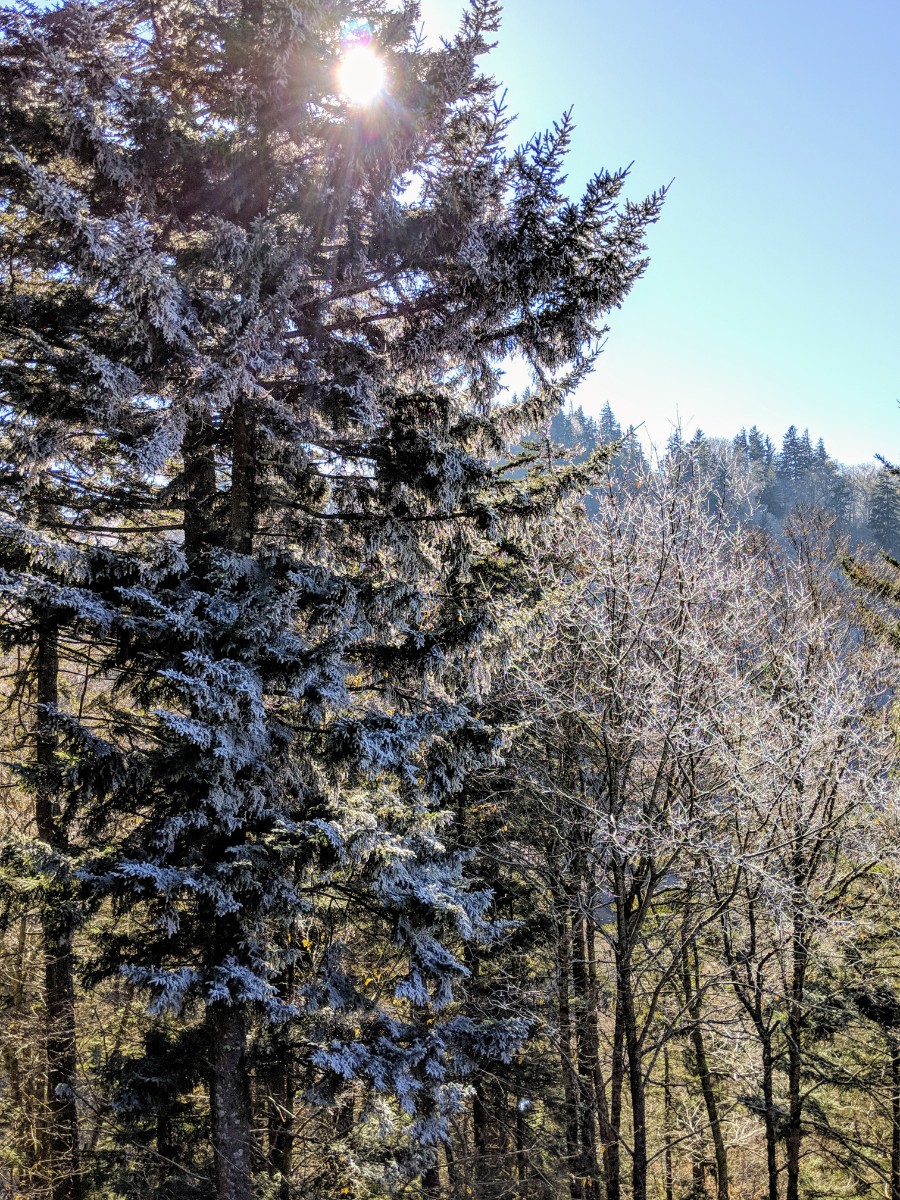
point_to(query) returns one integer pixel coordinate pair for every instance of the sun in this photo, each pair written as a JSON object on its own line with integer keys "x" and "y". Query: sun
{"x": 361, "y": 75}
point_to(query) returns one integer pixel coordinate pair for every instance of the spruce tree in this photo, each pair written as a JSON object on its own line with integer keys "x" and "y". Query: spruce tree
{"x": 758, "y": 447}
{"x": 884, "y": 512}
{"x": 574, "y": 431}
{"x": 805, "y": 455}
{"x": 790, "y": 456}
{"x": 253, "y": 333}
{"x": 610, "y": 429}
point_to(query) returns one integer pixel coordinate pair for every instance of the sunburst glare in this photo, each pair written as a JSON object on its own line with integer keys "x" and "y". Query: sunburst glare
{"x": 361, "y": 74}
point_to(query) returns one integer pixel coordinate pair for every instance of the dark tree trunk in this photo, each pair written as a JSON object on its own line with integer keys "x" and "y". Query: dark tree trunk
{"x": 704, "y": 1075}
{"x": 164, "y": 1147}
{"x": 20, "y": 1103}
{"x": 794, "y": 1131}
{"x": 522, "y": 1148}
{"x": 431, "y": 1180}
{"x": 243, "y": 477}
{"x": 199, "y": 488}
{"x": 431, "y": 1176}
{"x": 227, "y": 1023}
{"x": 453, "y": 1179}
{"x": 230, "y": 1097}
{"x": 769, "y": 1116}
{"x": 609, "y": 1133}
{"x": 625, "y": 1011}
{"x": 588, "y": 1167}
{"x": 636, "y": 1086}
{"x": 667, "y": 1127}
{"x": 481, "y": 1170}
{"x": 62, "y": 1150}
{"x": 280, "y": 1087}
{"x": 613, "y": 1157}
{"x": 894, "y": 1047}
{"x": 281, "y": 1117}
{"x": 566, "y": 1050}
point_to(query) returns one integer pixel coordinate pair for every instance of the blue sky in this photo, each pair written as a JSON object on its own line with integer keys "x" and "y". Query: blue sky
{"x": 773, "y": 294}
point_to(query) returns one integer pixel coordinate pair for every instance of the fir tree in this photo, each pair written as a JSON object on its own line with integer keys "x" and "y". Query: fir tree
{"x": 884, "y": 512}
{"x": 759, "y": 447}
{"x": 574, "y": 430}
{"x": 258, "y": 333}
{"x": 789, "y": 458}
{"x": 675, "y": 444}
{"x": 610, "y": 429}
{"x": 805, "y": 455}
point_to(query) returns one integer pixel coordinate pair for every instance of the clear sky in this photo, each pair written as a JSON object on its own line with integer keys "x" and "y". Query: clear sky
{"x": 773, "y": 292}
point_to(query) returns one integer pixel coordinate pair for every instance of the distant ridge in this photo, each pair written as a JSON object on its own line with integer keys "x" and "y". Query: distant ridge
{"x": 865, "y": 500}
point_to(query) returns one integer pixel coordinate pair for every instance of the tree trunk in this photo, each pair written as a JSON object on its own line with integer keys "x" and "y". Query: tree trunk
{"x": 280, "y": 1087}
{"x": 588, "y": 1167}
{"x": 227, "y": 1023}
{"x": 566, "y": 1050}
{"x": 27, "y": 1111}
{"x": 230, "y": 1103}
{"x": 609, "y": 1133}
{"x": 794, "y": 1131}
{"x": 199, "y": 488}
{"x": 894, "y": 1047}
{"x": 281, "y": 1119}
{"x": 769, "y": 1116}
{"x": 431, "y": 1179}
{"x": 668, "y": 1127}
{"x": 625, "y": 1011}
{"x": 454, "y": 1182}
{"x": 613, "y": 1157}
{"x": 521, "y": 1148}
{"x": 62, "y": 1149}
{"x": 431, "y": 1176}
{"x": 636, "y": 1086}
{"x": 704, "y": 1075}
{"x": 481, "y": 1171}
{"x": 243, "y": 477}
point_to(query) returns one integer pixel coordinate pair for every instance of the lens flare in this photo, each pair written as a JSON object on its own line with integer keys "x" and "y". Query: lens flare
{"x": 361, "y": 74}
{"x": 356, "y": 32}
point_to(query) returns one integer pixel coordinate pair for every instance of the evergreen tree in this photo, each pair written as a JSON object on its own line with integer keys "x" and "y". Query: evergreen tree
{"x": 805, "y": 455}
{"x": 675, "y": 444}
{"x": 789, "y": 458}
{"x": 632, "y": 457}
{"x": 698, "y": 446}
{"x": 759, "y": 447}
{"x": 610, "y": 429}
{"x": 574, "y": 430}
{"x": 884, "y": 512}
{"x": 585, "y": 429}
{"x": 256, "y": 331}
{"x": 629, "y": 462}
